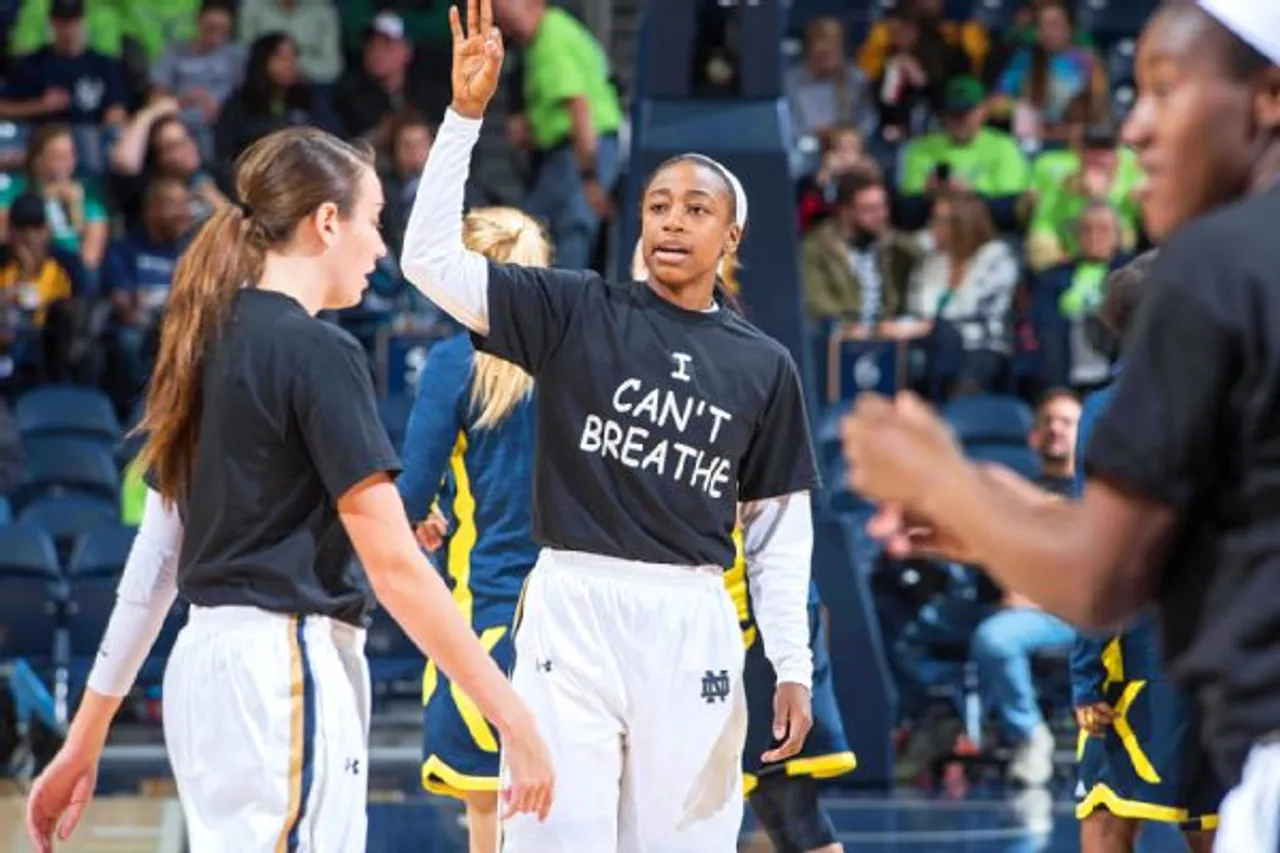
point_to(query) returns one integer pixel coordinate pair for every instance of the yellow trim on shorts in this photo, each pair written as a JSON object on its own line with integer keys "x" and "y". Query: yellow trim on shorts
{"x": 296, "y": 709}
{"x": 439, "y": 778}
{"x": 475, "y": 722}
{"x": 826, "y": 766}
{"x": 1102, "y": 797}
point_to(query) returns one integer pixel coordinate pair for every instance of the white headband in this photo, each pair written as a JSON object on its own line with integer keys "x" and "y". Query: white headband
{"x": 1256, "y": 22}
{"x": 739, "y": 194}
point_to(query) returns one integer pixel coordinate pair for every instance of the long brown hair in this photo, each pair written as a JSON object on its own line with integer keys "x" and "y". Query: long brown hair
{"x": 969, "y": 222}
{"x": 281, "y": 179}
{"x": 506, "y": 235}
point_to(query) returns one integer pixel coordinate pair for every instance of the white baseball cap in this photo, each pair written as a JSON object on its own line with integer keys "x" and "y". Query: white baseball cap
{"x": 1256, "y": 22}
{"x": 387, "y": 24}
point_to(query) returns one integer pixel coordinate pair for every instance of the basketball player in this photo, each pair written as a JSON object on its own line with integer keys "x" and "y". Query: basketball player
{"x": 469, "y": 443}
{"x": 784, "y": 796}
{"x": 1181, "y": 504}
{"x": 267, "y": 464}
{"x": 1140, "y": 755}
{"x": 658, "y": 415}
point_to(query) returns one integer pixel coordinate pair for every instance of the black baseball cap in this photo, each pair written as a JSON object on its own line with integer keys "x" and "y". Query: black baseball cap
{"x": 27, "y": 211}
{"x": 66, "y": 10}
{"x": 962, "y": 95}
{"x": 1100, "y": 135}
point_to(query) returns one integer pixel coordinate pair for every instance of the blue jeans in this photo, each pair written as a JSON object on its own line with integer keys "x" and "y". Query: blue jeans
{"x": 557, "y": 198}
{"x": 1002, "y": 648}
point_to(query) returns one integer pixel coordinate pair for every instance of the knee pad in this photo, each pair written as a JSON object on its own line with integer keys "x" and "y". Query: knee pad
{"x": 787, "y": 807}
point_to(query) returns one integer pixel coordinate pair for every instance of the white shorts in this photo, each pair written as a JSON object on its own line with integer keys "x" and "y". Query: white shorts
{"x": 1249, "y": 819}
{"x": 266, "y": 721}
{"x": 634, "y": 673}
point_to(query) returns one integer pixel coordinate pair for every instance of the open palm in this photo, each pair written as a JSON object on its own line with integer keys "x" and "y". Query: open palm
{"x": 477, "y": 57}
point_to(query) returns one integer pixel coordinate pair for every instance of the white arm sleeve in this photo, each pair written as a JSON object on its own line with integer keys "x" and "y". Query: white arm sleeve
{"x": 434, "y": 259}
{"x": 147, "y": 590}
{"x": 778, "y": 544}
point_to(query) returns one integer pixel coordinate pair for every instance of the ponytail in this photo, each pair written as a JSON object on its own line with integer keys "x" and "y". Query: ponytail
{"x": 505, "y": 235}
{"x": 225, "y": 253}
{"x": 728, "y": 288}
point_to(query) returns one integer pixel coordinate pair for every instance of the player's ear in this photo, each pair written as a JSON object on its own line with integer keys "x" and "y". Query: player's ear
{"x": 1266, "y": 102}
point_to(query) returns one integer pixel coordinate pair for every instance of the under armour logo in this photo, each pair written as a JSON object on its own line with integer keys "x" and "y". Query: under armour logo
{"x": 353, "y": 766}
{"x": 715, "y": 686}
{"x": 543, "y": 665}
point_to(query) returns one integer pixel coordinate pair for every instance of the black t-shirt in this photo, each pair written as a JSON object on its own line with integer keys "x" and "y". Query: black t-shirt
{"x": 1195, "y": 425}
{"x": 289, "y": 423}
{"x": 653, "y": 421}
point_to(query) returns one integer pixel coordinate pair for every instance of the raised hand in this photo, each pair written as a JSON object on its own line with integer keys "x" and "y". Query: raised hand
{"x": 477, "y": 58}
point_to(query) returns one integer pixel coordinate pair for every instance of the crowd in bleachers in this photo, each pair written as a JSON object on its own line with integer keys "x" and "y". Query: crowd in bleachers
{"x": 961, "y": 196}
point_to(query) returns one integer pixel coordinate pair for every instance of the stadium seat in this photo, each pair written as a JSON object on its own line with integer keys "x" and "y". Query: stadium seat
{"x": 93, "y": 573}
{"x": 67, "y": 517}
{"x": 31, "y": 581}
{"x": 67, "y": 465}
{"x": 1018, "y": 458}
{"x": 67, "y": 410}
{"x": 989, "y": 419}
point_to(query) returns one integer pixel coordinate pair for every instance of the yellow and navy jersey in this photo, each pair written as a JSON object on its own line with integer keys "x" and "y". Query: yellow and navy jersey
{"x": 826, "y": 752}
{"x": 58, "y": 278}
{"x": 481, "y": 480}
{"x": 735, "y": 579}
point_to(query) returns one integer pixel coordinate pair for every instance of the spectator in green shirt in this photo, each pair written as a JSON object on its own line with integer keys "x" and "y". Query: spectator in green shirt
{"x": 1066, "y": 294}
{"x": 572, "y": 112}
{"x": 964, "y": 155}
{"x": 153, "y": 23}
{"x": 1099, "y": 171}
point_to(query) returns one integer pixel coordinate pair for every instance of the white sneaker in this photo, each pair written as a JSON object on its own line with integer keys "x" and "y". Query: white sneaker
{"x": 1032, "y": 763}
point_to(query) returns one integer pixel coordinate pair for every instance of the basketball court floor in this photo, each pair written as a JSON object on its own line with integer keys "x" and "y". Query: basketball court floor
{"x": 867, "y": 824}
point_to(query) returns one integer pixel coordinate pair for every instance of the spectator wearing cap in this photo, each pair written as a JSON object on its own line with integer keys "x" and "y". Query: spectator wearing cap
{"x": 964, "y": 155}
{"x": 203, "y": 72}
{"x": 274, "y": 96}
{"x": 74, "y": 213}
{"x": 66, "y": 81}
{"x": 1096, "y": 171}
{"x": 311, "y": 24}
{"x": 572, "y": 112}
{"x": 34, "y": 273}
{"x": 426, "y": 25}
{"x": 137, "y": 277}
{"x": 367, "y": 97}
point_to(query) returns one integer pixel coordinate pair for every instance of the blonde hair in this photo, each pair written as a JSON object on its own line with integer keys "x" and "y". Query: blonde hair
{"x": 506, "y": 235}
